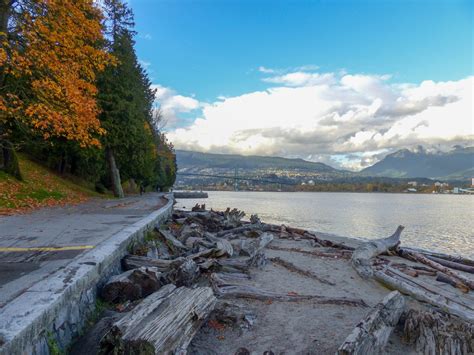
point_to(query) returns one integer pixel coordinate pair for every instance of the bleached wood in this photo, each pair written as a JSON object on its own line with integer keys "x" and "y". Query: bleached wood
{"x": 422, "y": 291}
{"x": 363, "y": 255}
{"x": 163, "y": 323}
{"x": 371, "y": 335}
{"x": 130, "y": 262}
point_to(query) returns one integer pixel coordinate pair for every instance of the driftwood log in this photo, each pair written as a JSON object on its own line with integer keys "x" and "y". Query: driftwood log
{"x": 424, "y": 292}
{"x": 363, "y": 255}
{"x": 132, "y": 285}
{"x": 237, "y": 289}
{"x": 451, "y": 281}
{"x": 433, "y": 333}
{"x": 163, "y": 323}
{"x": 130, "y": 262}
{"x": 371, "y": 335}
{"x": 437, "y": 266}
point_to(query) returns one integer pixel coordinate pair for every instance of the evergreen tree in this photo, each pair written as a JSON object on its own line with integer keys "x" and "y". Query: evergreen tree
{"x": 126, "y": 101}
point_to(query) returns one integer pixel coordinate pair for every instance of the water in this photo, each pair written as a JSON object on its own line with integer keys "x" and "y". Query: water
{"x": 442, "y": 223}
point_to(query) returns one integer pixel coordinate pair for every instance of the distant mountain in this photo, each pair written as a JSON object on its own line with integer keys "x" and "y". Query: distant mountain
{"x": 197, "y": 160}
{"x": 456, "y": 164}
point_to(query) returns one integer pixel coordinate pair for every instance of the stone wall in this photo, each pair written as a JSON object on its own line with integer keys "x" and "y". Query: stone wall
{"x": 64, "y": 301}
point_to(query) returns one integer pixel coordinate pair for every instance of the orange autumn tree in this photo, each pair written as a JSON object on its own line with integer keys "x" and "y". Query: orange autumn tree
{"x": 51, "y": 51}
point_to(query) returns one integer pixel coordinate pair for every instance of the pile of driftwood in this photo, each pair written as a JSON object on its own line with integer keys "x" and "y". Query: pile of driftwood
{"x": 173, "y": 280}
{"x": 447, "y": 327}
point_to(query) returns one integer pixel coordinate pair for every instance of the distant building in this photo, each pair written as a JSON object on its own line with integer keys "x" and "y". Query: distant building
{"x": 412, "y": 183}
{"x": 311, "y": 182}
{"x": 472, "y": 181}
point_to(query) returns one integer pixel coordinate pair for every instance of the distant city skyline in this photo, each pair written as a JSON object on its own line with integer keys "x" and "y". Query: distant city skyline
{"x": 341, "y": 82}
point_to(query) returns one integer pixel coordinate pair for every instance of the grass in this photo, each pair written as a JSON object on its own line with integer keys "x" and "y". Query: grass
{"x": 41, "y": 187}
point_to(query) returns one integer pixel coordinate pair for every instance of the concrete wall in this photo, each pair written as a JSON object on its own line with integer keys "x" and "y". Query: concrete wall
{"x": 57, "y": 308}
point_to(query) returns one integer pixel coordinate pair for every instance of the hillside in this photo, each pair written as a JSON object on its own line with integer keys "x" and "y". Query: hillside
{"x": 455, "y": 164}
{"x": 41, "y": 187}
{"x": 190, "y": 160}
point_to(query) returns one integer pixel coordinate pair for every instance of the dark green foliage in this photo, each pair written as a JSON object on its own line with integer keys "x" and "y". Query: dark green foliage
{"x": 126, "y": 100}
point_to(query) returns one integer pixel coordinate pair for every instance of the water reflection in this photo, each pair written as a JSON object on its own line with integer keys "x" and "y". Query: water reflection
{"x": 436, "y": 222}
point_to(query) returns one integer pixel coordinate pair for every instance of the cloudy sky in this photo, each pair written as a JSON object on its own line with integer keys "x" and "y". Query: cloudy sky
{"x": 341, "y": 82}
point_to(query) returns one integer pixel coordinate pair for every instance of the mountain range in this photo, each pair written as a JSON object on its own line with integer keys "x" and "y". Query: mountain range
{"x": 456, "y": 164}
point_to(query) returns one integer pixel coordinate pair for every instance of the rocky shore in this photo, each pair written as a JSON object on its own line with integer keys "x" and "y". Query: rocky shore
{"x": 210, "y": 282}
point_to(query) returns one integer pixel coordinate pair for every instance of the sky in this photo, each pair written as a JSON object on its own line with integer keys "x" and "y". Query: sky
{"x": 341, "y": 82}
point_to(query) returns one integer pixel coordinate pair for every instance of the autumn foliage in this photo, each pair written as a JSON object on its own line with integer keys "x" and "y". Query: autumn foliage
{"x": 74, "y": 96}
{"x": 51, "y": 53}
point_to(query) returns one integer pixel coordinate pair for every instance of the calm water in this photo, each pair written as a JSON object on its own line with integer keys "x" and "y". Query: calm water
{"x": 437, "y": 222}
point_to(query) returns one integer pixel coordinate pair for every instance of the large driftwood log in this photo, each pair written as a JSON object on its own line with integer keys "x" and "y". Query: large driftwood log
{"x": 363, "y": 255}
{"x": 424, "y": 260}
{"x": 237, "y": 289}
{"x": 371, "y": 335}
{"x": 333, "y": 254}
{"x": 422, "y": 291}
{"x": 436, "y": 333}
{"x": 130, "y": 262}
{"x": 132, "y": 285}
{"x": 163, "y": 323}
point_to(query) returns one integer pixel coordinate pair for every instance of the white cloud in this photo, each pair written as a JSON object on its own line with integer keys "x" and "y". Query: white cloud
{"x": 172, "y": 104}
{"x": 301, "y": 78}
{"x": 265, "y": 70}
{"x": 347, "y": 119}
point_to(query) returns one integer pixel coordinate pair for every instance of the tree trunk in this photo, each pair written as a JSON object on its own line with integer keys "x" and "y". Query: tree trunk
{"x": 114, "y": 174}
{"x": 9, "y": 160}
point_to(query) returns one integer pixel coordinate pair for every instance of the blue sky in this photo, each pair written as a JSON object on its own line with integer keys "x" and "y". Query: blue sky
{"x": 202, "y": 50}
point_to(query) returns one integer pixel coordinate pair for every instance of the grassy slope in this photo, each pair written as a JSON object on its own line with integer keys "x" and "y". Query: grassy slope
{"x": 40, "y": 188}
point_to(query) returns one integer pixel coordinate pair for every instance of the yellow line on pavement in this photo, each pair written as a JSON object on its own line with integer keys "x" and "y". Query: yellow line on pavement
{"x": 74, "y": 247}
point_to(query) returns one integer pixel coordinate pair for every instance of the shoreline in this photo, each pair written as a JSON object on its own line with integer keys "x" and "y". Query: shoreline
{"x": 281, "y": 289}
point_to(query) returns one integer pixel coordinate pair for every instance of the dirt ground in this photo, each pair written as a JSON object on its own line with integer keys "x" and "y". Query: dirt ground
{"x": 297, "y": 327}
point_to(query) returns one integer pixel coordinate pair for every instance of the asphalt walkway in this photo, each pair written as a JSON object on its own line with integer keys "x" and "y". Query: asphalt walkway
{"x": 32, "y": 246}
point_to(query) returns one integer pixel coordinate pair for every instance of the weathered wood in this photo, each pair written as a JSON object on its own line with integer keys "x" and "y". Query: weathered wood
{"x": 132, "y": 285}
{"x": 452, "y": 264}
{"x": 247, "y": 227}
{"x": 130, "y": 262}
{"x": 333, "y": 254}
{"x": 424, "y": 260}
{"x": 433, "y": 332}
{"x": 163, "y": 323}
{"x": 293, "y": 268}
{"x": 363, "y": 255}
{"x": 225, "y": 288}
{"x": 223, "y": 247}
{"x": 371, "y": 335}
{"x": 456, "y": 259}
{"x": 252, "y": 247}
{"x": 422, "y": 291}
{"x": 185, "y": 274}
{"x": 174, "y": 243}
{"x": 451, "y": 281}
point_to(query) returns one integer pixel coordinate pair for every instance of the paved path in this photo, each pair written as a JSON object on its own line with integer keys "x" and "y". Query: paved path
{"x": 34, "y": 245}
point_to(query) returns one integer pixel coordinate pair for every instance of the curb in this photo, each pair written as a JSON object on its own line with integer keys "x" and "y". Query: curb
{"x": 55, "y": 310}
